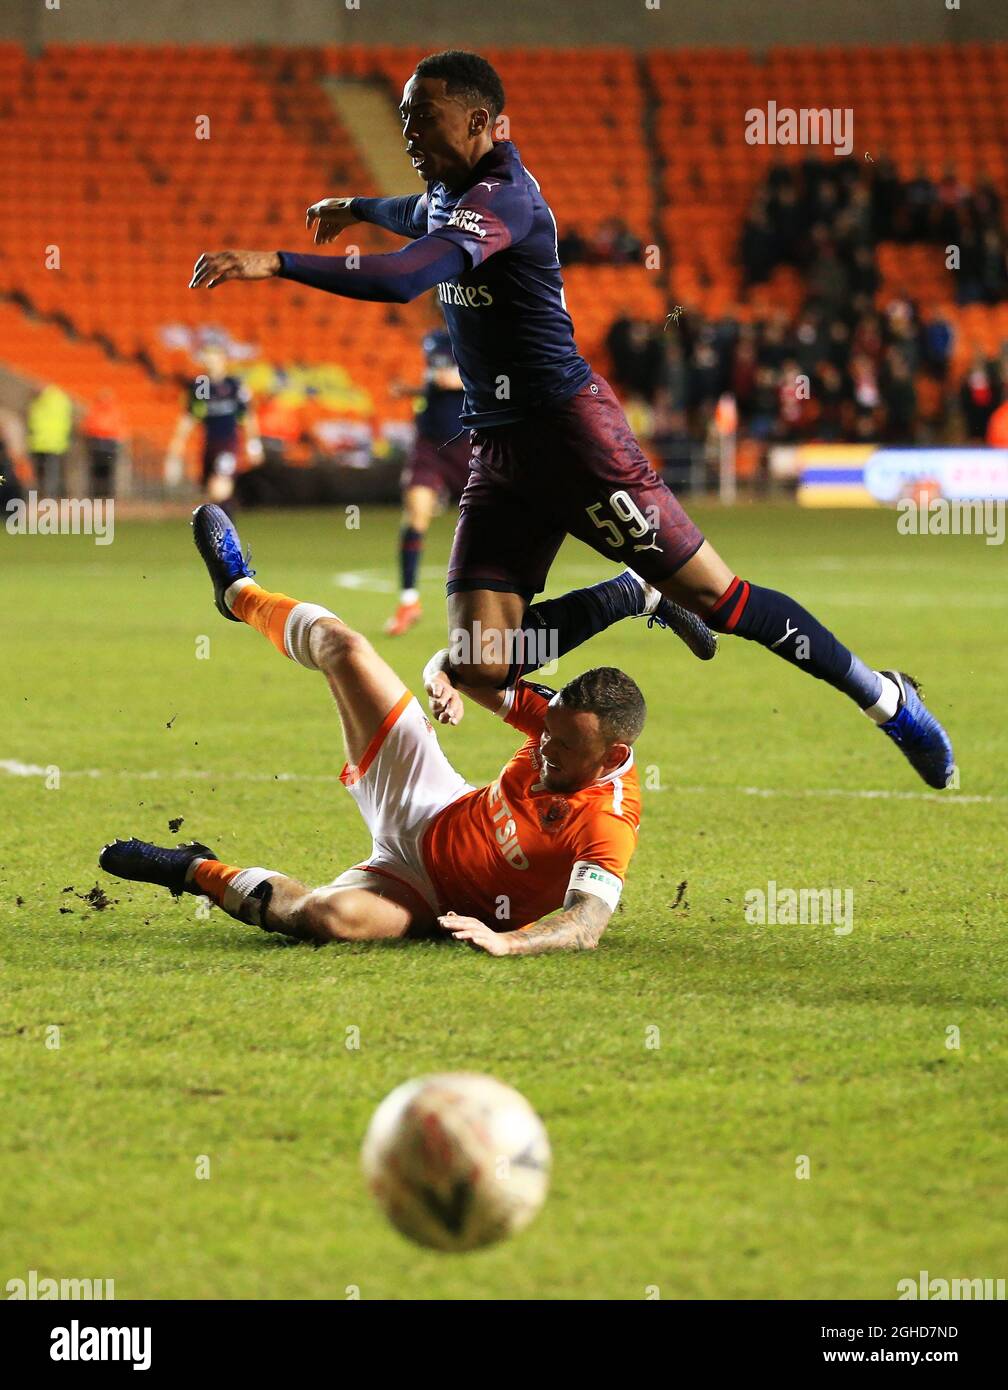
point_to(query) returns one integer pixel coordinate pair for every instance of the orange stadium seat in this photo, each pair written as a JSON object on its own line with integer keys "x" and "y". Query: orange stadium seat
{"x": 656, "y": 140}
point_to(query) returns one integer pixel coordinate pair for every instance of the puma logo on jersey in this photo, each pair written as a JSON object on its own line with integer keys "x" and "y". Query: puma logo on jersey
{"x": 467, "y": 221}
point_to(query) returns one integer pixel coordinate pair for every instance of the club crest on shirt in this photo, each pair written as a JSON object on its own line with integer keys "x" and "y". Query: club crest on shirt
{"x": 554, "y": 813}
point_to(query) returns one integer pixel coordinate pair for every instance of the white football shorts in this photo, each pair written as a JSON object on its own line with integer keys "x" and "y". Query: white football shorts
{"x": 401, "y": 783}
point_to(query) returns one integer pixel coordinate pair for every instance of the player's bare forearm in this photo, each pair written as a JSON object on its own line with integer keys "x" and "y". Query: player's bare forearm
{"x": 578, "y": 926}
{"x": 444, "y": 690}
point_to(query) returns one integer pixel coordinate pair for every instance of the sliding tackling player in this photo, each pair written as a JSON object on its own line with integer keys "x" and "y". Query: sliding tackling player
{"x": 534, "y": 862}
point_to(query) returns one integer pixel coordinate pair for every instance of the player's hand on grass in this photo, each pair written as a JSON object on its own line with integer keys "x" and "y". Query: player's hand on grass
{"x": 329, "y": 216}
{"x": 476, "y": 934}
{"x": 445, "y": 701}
{"x": 214, "y": 267}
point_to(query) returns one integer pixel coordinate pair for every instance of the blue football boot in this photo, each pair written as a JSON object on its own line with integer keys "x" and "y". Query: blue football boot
{"x": 217, "y": 541}
{"x": 145, "y": 863}
{"x": 919, "y": 736}
{"x": 663, "y": 612}
{"x": 686, "y": 626}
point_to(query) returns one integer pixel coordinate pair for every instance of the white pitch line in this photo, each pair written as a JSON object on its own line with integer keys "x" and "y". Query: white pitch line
{"x": 365, "y": 581}
{"x": 862, "y": 794}
{"x": 18, "y": 769}
{"x": 378, "y": 581}
{"x": 201, "y": 774}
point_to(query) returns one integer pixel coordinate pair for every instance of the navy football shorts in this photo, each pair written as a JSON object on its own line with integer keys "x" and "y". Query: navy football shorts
{"x": 575, "y": 469}
{"x": 442, "y": 467}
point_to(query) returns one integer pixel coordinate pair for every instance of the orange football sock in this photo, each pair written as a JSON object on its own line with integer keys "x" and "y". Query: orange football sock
{"x": 212, "y": 879}
{"x": 266, "y": 612}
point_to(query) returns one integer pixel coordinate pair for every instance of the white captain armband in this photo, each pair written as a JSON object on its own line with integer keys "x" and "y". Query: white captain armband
{"x": 589, "y": 878}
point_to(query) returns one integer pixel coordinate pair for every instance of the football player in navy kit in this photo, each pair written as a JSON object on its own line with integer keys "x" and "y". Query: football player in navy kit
{"x": 436, "y": 469}
{"x": 220, "y": 403}
{"x": 552, "y": 453}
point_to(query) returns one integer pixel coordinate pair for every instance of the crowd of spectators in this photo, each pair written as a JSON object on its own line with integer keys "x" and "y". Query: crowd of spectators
{"x": 826, "y": 219}
{"x": 842, "y": 368}
{"x": 867, "y": 376}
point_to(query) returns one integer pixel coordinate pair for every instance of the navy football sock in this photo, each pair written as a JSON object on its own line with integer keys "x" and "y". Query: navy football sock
{"x": 410, "y": 550}
{"x": 781, "y": 625}
{"x": 555, "y": 626}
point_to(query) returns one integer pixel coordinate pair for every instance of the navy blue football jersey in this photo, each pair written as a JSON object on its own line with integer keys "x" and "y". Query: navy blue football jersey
{"x": 439, "y": 416}
{"x": 511, "y": 334}
{"x": 219, "y": 405}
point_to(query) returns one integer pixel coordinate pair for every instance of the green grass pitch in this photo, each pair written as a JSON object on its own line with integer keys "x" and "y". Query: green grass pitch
{"x": 675, "y": 1165}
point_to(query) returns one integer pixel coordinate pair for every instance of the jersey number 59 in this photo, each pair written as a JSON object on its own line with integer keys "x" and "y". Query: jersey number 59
{"x": 627, "y": 511}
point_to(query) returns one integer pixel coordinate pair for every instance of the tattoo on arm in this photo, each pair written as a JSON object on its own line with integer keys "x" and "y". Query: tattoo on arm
{"x": 577, "y": 927}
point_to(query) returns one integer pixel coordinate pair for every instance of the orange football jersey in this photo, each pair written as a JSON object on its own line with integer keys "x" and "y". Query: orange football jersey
{"x": 507, "y": 853}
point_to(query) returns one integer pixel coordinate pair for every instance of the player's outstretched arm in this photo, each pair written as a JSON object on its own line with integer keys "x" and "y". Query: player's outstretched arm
{"x": 395, "y": 278}
{"x": 578, "y": 926}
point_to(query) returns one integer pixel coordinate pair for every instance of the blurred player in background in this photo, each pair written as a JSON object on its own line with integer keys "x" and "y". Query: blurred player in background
{"x": 280, "y": 422}
{"x": 50, "y": 427}
{"x": 553, "y": 454}
{"x": 436, "y": 470}
{"x": 219, "y": 403}
{"x": 103, "y": 430}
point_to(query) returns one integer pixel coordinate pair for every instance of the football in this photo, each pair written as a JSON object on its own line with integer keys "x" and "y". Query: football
{"x": 457, "y": 1161}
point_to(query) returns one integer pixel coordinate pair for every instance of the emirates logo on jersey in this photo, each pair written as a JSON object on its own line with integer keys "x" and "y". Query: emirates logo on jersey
{"x": 464, "y": 296}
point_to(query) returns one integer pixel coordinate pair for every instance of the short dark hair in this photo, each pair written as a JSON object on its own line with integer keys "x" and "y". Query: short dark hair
{"x": 466, "y": 75}
{"x": 613, "y": 696}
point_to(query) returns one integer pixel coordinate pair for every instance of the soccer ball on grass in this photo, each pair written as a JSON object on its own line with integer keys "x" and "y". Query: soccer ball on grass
{"x": 457, "y": 1161}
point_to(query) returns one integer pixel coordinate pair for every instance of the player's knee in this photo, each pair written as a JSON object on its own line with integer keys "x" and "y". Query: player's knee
{"x": 333, "y": 644}
{"x": 336, "y": 915}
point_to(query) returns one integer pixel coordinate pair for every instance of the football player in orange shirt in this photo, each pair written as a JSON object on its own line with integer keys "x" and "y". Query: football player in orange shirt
{"x": 533, "y": 862}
